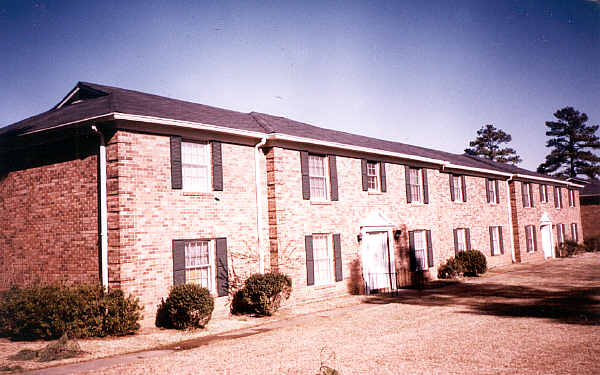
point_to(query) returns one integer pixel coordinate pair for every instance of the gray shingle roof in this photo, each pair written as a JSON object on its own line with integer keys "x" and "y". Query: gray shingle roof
{"x": 593, "y": 188}
{"x": 99, "y": 99}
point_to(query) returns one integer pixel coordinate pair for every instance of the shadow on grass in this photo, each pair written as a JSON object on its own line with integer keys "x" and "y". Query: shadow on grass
{"x": 571, "y": 305}
{"x": 206, "y": 340}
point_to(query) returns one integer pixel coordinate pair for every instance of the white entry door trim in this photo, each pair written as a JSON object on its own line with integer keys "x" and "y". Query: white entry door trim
{"x": 377, "y": 234}
{"x": 546, "y": 235}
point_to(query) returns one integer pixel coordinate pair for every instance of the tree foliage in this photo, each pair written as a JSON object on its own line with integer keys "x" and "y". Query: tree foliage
{"x": 571, "y": 142}
{"x": 489, "y": 145}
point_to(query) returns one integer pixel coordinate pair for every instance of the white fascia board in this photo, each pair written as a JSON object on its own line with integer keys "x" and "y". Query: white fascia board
{"x": 481, "y": 170}
{"x": 188, "y": 124}
{"x": 69, "y": 96}
{"x": 528, "y": 177}
{"x": 106, "y": 116}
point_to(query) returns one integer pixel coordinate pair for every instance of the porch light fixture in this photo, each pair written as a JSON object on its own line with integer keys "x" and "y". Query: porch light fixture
{"x": 397, "y": 234}
{"x": 359, "y": 237}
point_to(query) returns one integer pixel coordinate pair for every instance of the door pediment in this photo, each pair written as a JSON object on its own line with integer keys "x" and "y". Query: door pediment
{"x": 376, "y": 219}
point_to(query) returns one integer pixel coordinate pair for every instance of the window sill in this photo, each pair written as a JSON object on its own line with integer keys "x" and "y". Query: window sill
{"x": 198, "y": 194}
{"x": 416, "y": 204}
{"x": 321, "y": 203}
{"x": 325, "y": 286}
{"x": 375, "y": 193}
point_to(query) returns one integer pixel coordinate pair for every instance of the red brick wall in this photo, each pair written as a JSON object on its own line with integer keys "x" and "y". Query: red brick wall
{"x": 49, "y": 220}
{"x": 590, "y": 220}
{"x": 297, "y": 217}
{"x": 146, "y": 214}
{"x": 532, "y": 216}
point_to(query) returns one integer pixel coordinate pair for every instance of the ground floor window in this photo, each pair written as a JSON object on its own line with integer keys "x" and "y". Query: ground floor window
{"x": 198, "y": 263}
{"x": 529, "y": 237}
{"x": 323, "y": 258}
{"x": 574, "y": 234}
{"x": 420, "y": 250}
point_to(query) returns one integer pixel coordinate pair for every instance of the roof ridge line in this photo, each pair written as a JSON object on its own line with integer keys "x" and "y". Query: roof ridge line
{"x": 263, "y": 123}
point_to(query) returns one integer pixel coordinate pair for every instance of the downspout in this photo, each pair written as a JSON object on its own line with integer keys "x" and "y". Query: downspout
{"x": 510, "y": 226}
{"x": 259, "y": 205}
{"x": 103, "y": 208}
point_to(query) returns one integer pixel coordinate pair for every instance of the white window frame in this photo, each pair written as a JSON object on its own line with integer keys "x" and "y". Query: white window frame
{"x": 191, "y": 152}
{"x": 560, "y": 229}
{"x": 492, "y": 190}
{"x": 325, "y": 177}
{"x": 495, "y": 241}
{"x": 571, "y": 198}
{"x": 529, "y": 238}
{"x": 374, "y": 177}
{"x": 328, "y": 259}
{"x": 574, "y": 232}
{"x": 423, "y": 239}
{"x": 558, "y": 198}
{"x": 527, "y": 187}
{"x": 544, "y": 196}
{"x": 419, "y": 184}
{"x": 210, "y": 265}
{"x": 458, "y": 188}
{"x": 461, "y": 235}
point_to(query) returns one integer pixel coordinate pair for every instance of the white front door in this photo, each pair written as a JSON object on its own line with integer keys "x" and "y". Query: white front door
{"x": 377, "y": 270}
{"x": 547, "y": 241}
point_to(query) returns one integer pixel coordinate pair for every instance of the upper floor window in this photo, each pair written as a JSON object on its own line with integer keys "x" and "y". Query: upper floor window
{"x": 527, "y": 194}
{"x": 317, "y": 170}
{"x": 195, "y": 166}
{"x": 571, "y": 198}
{"x": 457, "y": 188}
{"x": 492, "y": 191}
{"x": 415, "y": 185}
{"x": 373, "y": 176}
{"x": 543, "y": 193}
{"x": 558, "y": 197}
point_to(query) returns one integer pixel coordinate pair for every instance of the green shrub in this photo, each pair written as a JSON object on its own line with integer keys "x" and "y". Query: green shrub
{"x": 187, "y": 306}
{"x": 262, "y": 294}
{"x": 569, "y": 248}
{"x": 592, "y": 243}
{"x": 50, "y": 311}
{"x": 451, "y": 269}
{"x": 473, "y": 262}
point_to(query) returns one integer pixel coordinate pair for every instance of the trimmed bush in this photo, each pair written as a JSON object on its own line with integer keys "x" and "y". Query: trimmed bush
{"x": 450, "y": 270}
{"x": 262, "y": 294}
{"x": 50, "y": 311}
{"x": 473, "y": 262}
{"x": 187, "y": 306}
{"x": 592, "y": 243}
{"x": 569, "y": 248}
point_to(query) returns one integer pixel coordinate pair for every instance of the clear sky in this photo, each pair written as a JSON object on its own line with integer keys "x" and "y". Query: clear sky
{"x": 428, "y": 73}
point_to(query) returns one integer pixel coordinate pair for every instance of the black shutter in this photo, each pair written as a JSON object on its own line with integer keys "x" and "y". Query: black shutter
{"x": 491, "y": 230}
{"x": 383, "y": 177}
{"x": 455, "y": 242}
{"x": 178, "y": 262}
{"x": 535, "y": 247}
{"x": 222, "y": 269}
{"x": 425, "y": 187}
{"x": 333, "y": 179}
{"x": 555, "y": 197}
{"x": 363, "y": 171}
{"x": 429, "y": 249}
{"x": 305, "y": 176}
{"x": 407, "y": 183}
{"x": 487, "y": 189}
{"x": 541, "y": 192}
{"x": 176, "y": 174}
{"x": 528, "y": 237}
{"x": 337, "y": 257}
{"x": 217, "y": 166}
{"x": 464, "y": 187}
{"x": 411, "y": 253}
{"x": 451, "y": 178}
{"x": 523, "y": 193}
{"x": 500, "y": 240}
{"x": 310, "y": 263}
{"x": 497, "y": 192}
{"x": 468, "y": 238}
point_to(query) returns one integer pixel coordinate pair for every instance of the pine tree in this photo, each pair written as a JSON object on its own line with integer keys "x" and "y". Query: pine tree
{"x": 571, "y": 142}
{"x": 488, "y": 144}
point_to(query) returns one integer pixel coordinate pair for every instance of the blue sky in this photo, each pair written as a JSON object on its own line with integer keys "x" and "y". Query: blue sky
{"x": 428, "y": 73}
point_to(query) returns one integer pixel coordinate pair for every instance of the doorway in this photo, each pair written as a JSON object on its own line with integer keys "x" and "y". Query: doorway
{"x": 546, "y": 231}
{"x": 378, "y": 267}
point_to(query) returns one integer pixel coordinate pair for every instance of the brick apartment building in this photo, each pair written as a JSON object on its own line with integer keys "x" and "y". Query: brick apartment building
{"x": 590, "y": 209}
{"x": 141, "y": 192}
